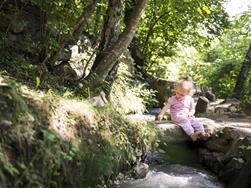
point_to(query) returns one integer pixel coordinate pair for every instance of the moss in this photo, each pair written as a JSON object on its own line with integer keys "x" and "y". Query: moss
{"x": 57, "y": 142}
{"x": 13, "y": 106}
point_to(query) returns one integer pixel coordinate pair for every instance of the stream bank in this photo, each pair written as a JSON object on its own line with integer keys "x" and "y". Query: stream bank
{"x": 227, "y": 154}
{"x": 52, "y": 141}
{"x": 174, "y": 165}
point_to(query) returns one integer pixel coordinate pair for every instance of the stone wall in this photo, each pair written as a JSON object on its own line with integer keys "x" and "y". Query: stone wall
{"x": 227, "y": 153}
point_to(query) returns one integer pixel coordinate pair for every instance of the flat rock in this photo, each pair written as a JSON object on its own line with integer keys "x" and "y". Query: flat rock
{"x": 174, "y": 133}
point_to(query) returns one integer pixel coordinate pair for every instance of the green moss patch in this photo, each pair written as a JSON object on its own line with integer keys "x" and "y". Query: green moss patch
{"x": 50, "y": 141}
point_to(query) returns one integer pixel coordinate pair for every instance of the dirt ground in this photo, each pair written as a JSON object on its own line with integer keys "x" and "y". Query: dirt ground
{"x": 231, "y": 119}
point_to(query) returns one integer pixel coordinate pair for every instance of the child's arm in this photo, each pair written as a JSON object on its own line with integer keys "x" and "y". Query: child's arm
{"x": 163, "y": 111}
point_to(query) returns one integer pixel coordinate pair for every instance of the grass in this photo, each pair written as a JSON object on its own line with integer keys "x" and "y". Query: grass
{"x": 51, "y": 141}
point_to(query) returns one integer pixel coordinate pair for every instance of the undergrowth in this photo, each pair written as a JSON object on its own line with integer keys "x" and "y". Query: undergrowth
{"x": 50, "y": 141}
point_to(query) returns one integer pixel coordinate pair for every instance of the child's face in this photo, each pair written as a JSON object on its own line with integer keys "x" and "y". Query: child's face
{"x": 180, "y": 95}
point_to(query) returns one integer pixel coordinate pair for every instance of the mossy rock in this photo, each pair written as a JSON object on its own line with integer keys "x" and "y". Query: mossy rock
{"x": 11, "y": 103}
{"x": 164, "y": 89}
{"x": 8, "y": 105}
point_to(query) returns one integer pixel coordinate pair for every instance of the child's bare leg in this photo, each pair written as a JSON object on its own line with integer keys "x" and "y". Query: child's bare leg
{"x": 194, "y": 136}
{"x": 204, "y": 136}
{"x": 187, "y": 127}
{"x": 199, "y": 129}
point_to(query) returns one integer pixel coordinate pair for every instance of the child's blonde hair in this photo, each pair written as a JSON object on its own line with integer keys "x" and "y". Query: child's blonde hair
{"x": 185, "y": 85}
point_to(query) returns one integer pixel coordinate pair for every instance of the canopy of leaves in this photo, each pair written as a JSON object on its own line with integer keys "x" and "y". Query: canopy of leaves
{"x": 222, "y": 62}
{"x": 61, "y": 14}
{"x": 166, "y": 23}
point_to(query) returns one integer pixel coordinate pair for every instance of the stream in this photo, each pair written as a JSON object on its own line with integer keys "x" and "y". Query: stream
{"x": 175, "y": 176}
{"x": 173, "y": 169}
{"x": 174, "y": 165}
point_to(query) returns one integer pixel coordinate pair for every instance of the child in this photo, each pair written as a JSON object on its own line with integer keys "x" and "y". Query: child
{"x": 182, "y": 110}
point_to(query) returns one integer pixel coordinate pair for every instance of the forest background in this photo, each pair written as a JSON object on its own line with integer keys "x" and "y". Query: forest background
{"x": 78, "y": 49}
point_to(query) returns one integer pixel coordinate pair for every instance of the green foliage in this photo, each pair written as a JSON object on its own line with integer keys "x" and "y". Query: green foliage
{"x": 113, "y": 144}
{"x": 227, "y": 57}
{"x": 13, "y": 108}
{"x": 147, "y": 95}
{"x": 162, "y": 67}
{"x": 33, "y": 154}
{"x": 129, "y": 93}
{"x": 6, "y": 167}
{"x": 19, "y": 66}
{"x": 190, "y": 62}
{"x": 61, "y": 14}
{"x": 219, "y": 65}
{"x": 167, "y": 23}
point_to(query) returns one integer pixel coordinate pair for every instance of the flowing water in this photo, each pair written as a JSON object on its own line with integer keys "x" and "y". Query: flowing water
{"x": 178, "y": 167}
{"x": 174, "y": 165}
{"x": 175, "y": 176}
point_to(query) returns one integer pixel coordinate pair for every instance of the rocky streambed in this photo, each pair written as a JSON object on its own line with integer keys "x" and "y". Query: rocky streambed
{"x": 225, "y": 157}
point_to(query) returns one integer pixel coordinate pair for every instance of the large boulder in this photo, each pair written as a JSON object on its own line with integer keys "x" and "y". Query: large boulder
{"x": 202, "y": 105}
{"x": 171, "y": 132}
{"x": 26, "y": 24}
{"x": 247, "y": 108}
{"x": 228, "y": 154}
{"x": 164, "y": 89}
{"x": 210, "y": 96}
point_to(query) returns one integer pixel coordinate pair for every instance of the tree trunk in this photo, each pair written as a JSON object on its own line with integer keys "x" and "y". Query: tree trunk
{"x": 75, "y": 31}
{"x": 202, "y": 105}
{"x": 137, "y": 54}
{"x": 110, "y": 31}
{"x": 98, "y": 74}
{"x": 97, "y": 19}
{"x": 83, "y": 17}
{"x": 111, "y": 77}
{"x": 239, "y": 86}
{"x": 135, "y": 47}
{"x": 109, "y": 36}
